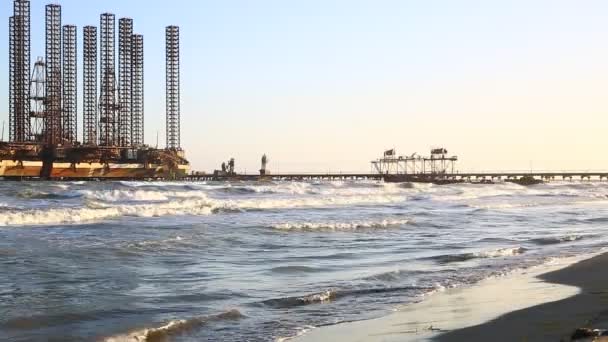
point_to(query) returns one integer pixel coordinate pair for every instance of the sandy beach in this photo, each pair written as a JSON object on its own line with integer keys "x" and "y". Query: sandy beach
{"x": 545, "y": 303}
{"x": 552, "y": 321}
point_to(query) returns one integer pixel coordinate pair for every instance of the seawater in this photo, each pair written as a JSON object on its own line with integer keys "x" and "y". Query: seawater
{"x": 137, "y": 261}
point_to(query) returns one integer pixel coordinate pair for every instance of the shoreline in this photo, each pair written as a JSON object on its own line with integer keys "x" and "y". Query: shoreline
{"x": 551, "y": 321}
{"x": 543, "y": 303}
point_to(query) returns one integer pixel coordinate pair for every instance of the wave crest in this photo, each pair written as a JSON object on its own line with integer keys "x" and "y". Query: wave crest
{"x": 328, "y": 296}
{"x": 139, "y": 195}
{"x": 497, "y": 253}
{"x": 558, "y": 239}
{"x": 156, "y": 244}
{"x": 100, "y": 212}
{"x": 34, "y": 194}
{"x": 290, "y": 188}
{"x": 200, "y": 204}
{"x": 173, "y": 328}
{"x": 340, "y": 226}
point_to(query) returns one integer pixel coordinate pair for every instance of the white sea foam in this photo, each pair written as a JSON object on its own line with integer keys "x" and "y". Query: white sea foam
{"x": 292, "y": 188}
{"x": 311, "y": 202}
{"x": 181, "y": 204}
{"x": 529, "y": 203}
{"x": 464, "y": 192}
{"x": 323, "y": 188}
{"x": 85, "y": 215}
{"x": 366, "y": 189}
{"x": 126, "y": 195}
{"x": 300, "y": 332}
{"x": 321, "y": 297}
{"x": 339, "y": 226}
{"x": 166, "y": 200}
{"x": 152, "y": 199}
{"x": 157, "y": 243}
{"x": 496, "y": 253}
{"x": 501, "y": 252}
{"x": 140, "y": 195}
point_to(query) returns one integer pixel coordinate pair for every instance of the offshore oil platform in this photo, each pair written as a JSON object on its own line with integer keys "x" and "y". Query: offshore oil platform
{"x": 43, "y": 103}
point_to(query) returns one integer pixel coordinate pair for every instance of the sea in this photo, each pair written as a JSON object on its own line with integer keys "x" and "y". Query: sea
{"x": 265, "y": 261}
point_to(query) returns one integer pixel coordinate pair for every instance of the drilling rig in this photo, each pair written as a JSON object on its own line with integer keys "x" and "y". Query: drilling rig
{"x": 44, "y": 140}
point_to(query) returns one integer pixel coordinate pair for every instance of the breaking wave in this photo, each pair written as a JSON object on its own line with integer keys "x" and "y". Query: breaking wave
{"x": 112, "y": 196}
{"x": 86, "y": 215}
{"x": 312, "y": 202}
{"x": 126, "y": 195}
{"x": 392, "y": 276}
{"x": 497, "y": 253}
{"x": 34, "y": 194}
{"x": 238, "y": 190}
{"x": 558, "y": 239}
{"x": 340, "y": 226}
{"x": 331, "y": 295}
{"x": 174, "y": 328}
{"x": 290, "y": 188}
{"x": 102, "y": 206}
{"x": 154, "y": 244}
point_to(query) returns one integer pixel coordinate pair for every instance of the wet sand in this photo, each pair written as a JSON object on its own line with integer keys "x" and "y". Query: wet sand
{"x": 532, "y": 305}
{"x": 555, "y": 321}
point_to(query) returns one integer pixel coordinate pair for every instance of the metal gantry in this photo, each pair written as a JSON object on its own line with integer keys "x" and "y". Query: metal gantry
{"x": 107, "y": 103}
{"x": 70, "y": 85}
{"x": 53, "y": 131}
{"x": 137, "y": 100}
{"x": 173, "y": 89}
{"x": 89, "y": 70}
{"x": 19, "y": 73}
{"x": 125, "y": 74}
{"x": 437, "y": 164}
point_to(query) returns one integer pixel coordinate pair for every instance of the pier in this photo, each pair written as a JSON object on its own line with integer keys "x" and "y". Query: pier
{"x": 449, "y": 178}
{"x": 437, "y": 168}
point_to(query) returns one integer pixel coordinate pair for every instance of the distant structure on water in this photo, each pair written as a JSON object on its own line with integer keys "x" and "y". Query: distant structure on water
{"x": 437, "y": 164}
{"x": 263, "y": 170}
{"x": 43, "y": 104}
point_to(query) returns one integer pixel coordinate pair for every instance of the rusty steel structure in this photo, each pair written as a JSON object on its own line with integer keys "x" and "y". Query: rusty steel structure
{"x": 137, "y": 99}
{"x": 125, "y": 78}
{"x": 69, "y": 121}
{"x": 108, "y": 107}
{"x": 53, "y": 129}
{"x": 173, "y": 88}
{"x": 89, "y": 84}
{"x": 43, "y": 103}
{"x": 19, "y": 72}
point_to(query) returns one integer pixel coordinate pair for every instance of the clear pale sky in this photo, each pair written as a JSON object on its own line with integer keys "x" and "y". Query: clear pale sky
{"x": 327, "y": 85}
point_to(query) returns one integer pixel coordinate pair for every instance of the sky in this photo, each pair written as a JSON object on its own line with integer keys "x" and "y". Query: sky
{"x": 328, "y": 85}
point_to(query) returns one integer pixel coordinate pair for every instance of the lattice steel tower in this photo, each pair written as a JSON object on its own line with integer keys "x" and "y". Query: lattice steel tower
{"x": 70, "y": 84}
{"x": 172, "y": 87}
{"x": 108, "y": 123}
{"x": 11, "y": 79}
{"x": 89, "y": 70}
{"x": 125, "y": 71}
{"x": 38, "y": 100}
{"x": 137, "y": 100}
{"x": 19, "y": 72}
{"x": 53, "y": 75}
